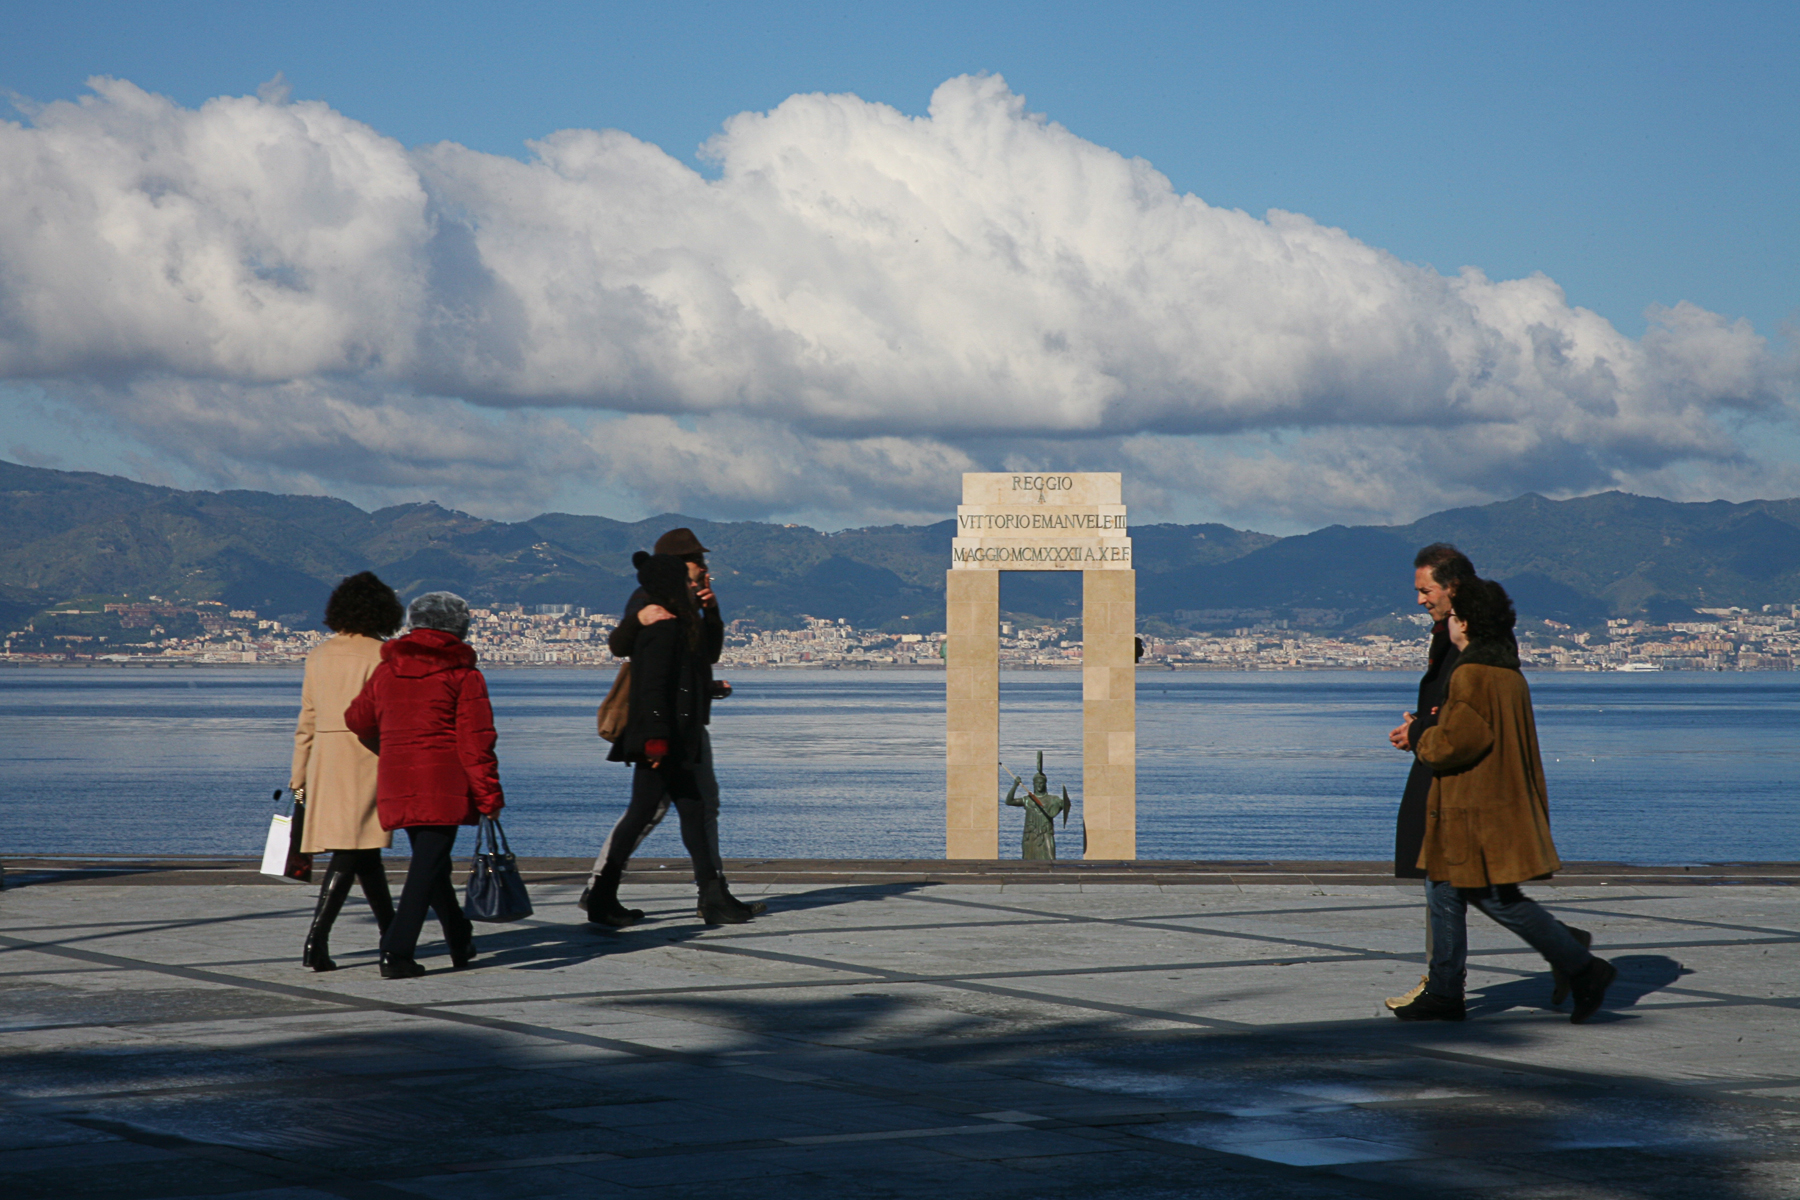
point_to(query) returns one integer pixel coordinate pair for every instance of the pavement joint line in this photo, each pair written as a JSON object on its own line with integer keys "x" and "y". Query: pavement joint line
{"x": 171, "y": 927}
{"x": 1336, "y": 951}
{"x": 889, "y": 1135}
{"x": 286, "y": 1172}
{"x": 1777, "y": 937}
{"x": 1158, "y": 925}
{"x": 361, "y": 1004}
{"x": 1772, "y": 930}
{"x": 960, "y": 982}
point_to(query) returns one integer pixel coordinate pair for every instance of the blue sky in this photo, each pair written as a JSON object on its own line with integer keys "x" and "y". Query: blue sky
{"x": 1637, "y": 154}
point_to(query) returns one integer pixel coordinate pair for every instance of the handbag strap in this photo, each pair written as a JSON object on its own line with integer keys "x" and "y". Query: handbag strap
{"x": 496, "y": 836}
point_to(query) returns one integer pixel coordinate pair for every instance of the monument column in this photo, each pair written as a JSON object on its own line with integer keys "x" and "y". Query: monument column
{"x": 972, "y": 713}
{"x": 1109, "y": 712}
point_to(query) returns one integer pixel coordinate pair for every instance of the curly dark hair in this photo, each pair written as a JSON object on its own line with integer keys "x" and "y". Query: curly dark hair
{"x": 1449, "y": 566}
{"x": 1486, "y": 609}
{"x": 363, "y": 604}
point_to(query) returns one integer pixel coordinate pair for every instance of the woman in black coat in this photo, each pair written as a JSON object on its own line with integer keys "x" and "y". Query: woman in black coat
{"x": 664, "y": 738}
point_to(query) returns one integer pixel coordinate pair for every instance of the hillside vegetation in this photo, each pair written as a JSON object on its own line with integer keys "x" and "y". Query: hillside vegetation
{"x": 69, "y": 534}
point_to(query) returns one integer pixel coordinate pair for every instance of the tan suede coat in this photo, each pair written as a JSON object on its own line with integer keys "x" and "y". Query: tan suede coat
{"x": 1487, "y": 821}
{"x": 336, "y": 769}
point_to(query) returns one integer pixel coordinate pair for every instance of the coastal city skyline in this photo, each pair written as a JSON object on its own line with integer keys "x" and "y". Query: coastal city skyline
{"x": 567, "y": 635}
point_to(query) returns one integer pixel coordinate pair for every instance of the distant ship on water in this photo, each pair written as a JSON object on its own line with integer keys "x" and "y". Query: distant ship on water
{"x": 1639, "y": 666}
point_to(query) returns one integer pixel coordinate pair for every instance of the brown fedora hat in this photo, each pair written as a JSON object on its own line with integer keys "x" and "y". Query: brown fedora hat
{"x": 679, "y": 542}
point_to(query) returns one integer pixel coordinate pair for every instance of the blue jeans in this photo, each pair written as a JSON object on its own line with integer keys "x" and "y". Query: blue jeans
{"x": 1449, "y": 915}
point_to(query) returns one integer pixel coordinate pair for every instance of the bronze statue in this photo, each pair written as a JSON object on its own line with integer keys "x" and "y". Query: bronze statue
{"x": 1041, "y": 809}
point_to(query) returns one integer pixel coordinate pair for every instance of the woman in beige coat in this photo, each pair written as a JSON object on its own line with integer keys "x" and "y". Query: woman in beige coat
{"x": 1487, "y": 820}
{"x": 332, "y": 767}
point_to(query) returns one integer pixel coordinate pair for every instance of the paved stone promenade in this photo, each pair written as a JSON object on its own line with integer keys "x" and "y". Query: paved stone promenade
{"x": 895, "y": 1031}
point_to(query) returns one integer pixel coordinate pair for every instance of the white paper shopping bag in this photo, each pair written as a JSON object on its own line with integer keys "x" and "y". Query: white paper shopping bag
{"x": 275, "y": 850}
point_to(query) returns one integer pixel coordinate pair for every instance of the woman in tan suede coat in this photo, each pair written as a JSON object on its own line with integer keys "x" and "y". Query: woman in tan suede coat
{"x": 1487, "y": 821}
{"x": 333, "y": 768}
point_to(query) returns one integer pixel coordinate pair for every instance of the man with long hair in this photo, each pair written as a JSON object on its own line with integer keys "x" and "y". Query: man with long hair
{"x": 1438, "y": 570}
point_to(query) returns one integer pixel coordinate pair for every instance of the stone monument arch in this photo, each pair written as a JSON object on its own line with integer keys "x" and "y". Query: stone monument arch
{"x": 1068, "y": 521}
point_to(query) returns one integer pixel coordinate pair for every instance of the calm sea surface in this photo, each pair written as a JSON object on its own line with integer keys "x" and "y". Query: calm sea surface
{"x": 1655, "y": 768}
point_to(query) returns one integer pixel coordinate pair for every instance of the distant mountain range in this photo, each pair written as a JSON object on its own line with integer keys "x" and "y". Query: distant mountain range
{"x": 68, "y": 534}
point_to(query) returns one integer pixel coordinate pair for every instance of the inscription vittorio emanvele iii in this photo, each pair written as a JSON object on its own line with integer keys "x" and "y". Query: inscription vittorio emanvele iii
{"x": 1041, "y": 522}
{"x": 1072, "y": 522}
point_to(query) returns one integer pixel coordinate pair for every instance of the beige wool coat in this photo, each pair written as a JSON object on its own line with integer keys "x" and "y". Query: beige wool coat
{"x": 1487, "y": 821}
{"x": 331, "y": 763}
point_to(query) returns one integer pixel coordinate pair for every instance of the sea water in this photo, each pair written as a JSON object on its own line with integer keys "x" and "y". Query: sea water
{"x": 1654, "y": 768}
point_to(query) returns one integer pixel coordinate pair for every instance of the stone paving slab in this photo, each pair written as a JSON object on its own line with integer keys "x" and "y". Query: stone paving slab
{"x": 1203, "y": 1038}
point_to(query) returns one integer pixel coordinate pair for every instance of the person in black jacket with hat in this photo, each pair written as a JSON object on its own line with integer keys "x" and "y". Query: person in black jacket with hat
{"x": 1437, "y": 571}
{"x": 674, "y": 594}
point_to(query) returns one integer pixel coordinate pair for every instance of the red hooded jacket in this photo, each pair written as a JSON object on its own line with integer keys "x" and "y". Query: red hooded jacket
{"x": 425, "y": 711}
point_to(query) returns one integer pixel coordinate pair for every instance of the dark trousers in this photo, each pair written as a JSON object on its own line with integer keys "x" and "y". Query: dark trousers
{"x": 631, "y": 830}
{"x": 427, "y": 886}
{"x": 1506, "y": 904}
{"x": 653, "y": 789}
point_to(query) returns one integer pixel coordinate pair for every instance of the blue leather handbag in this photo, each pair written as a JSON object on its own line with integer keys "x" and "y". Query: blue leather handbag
{"x": 495, "y": 891}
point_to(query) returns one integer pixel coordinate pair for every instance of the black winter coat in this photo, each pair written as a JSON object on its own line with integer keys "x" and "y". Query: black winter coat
{"x": 1409, "y": 825}
{"x": 674, "y": 675}
{"x": 670, "y": 682}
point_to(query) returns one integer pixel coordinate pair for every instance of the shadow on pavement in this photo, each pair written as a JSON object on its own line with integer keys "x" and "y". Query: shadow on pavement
{"x": 1639, "y": 976}
{"x": 1089, "y": 1105}
{"x": 541, "y": 944}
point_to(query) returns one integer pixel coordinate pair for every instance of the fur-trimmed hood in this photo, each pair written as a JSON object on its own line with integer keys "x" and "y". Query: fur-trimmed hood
{"x": 426, "y": 652}
{"x": 1490, "y": 654}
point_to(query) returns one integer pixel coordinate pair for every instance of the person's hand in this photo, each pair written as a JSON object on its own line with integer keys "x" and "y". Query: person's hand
{"x": 706, "y": 598}
{"x": 655, "y": 750}
{"x": 650, "y": 614}
{"x": 1400, "y": 737}
{"x": 490, "y": 808}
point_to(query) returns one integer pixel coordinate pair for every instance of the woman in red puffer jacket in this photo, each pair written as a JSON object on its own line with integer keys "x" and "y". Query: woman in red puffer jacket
{"x": 425, "y": 713}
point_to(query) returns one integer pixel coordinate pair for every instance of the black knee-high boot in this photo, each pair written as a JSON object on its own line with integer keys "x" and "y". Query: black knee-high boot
{"x": 336, "y": 885}
{"x": 372, "y": 876}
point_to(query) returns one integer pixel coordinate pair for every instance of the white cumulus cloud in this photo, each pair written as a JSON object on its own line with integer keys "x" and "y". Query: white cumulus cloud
{"x": 859, "y": 306}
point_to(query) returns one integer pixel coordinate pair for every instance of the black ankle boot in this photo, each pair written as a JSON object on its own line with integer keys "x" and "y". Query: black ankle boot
{"x": 603, "y": 907}
{"x": 1559, "y": 990}
{"x": 754, "y": 908}
{"x": 372, "y": 876}
{"x": 395, "y": 967}
{"x": 1589, "y": 985}
{"x": 1430, "y": 1007}
{"x": 462, "y": 948}
{"x": 332, "y": 890}
{"x": 716, "y": 906}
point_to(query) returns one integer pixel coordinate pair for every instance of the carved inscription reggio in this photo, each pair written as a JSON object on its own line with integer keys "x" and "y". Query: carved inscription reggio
{"x": 1041, "y": 522}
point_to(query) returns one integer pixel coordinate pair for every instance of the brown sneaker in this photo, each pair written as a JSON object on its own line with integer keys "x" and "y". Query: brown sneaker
{"x": 1409, "y": 997}
{"x": 1430, "y": 1007}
